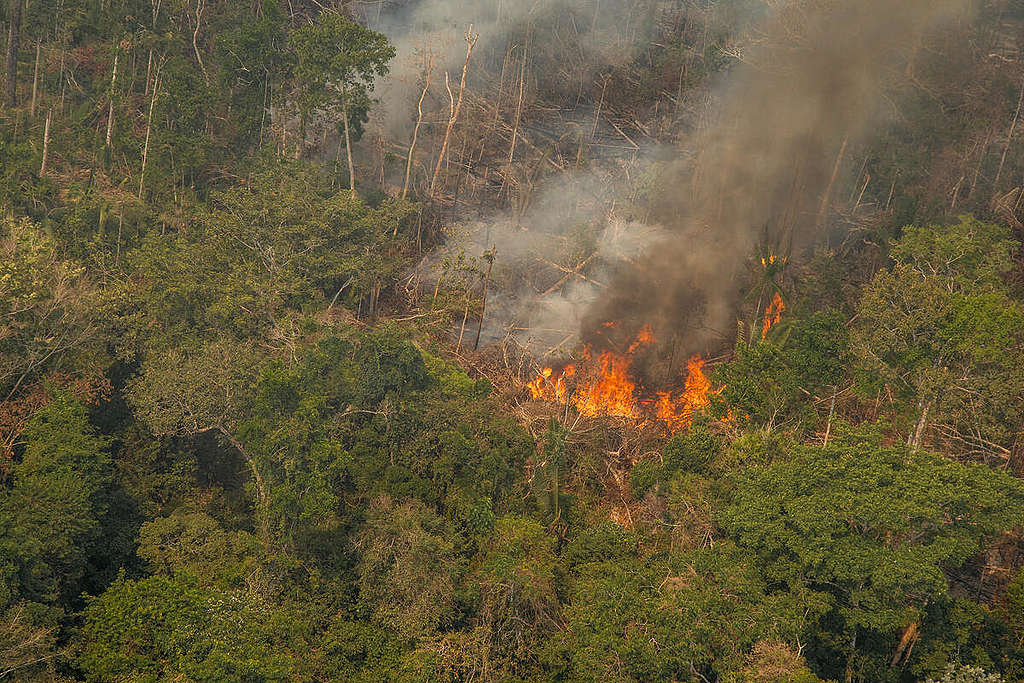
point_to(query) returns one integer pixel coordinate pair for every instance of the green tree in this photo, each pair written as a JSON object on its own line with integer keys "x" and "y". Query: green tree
{"x": 967, "y": 674}
{"x": 251, "y": 53}
{"x": 681, "y": 617}
{"x": 941, "y": 332}
{"x": 872, "y": 529}
{"x": 47, "y": 316}
{"x": 51, "y": 534}
{"x": 28, "y": 642}
{"x": 516, "y": 579}
{"x": 263, "y": 253}
{"x": 769, "y": 383}
{"x": 134, "y": 629}
{"x": 51, "y": 511}
{"x": 164, "y": 628}
{"x": 548, "y": 472}
{"x": 408, "y": 568}
{"x": 336, "y": 62}
{"x": 773, "y": 663}
{"x": 194, "y": 543}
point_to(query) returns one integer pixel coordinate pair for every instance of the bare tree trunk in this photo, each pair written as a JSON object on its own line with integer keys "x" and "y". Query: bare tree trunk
{"x": 917, "y": 436}
{"x": 515, "y": 127}
{"x": 977, "y": 169}
{"x": 35, "y": 81}
{"x": 266, "y": 105}
{"x": 848, "y": 676}
{"x": 462, "y": 332}
{"x": 501, "y": 86}
{"x": 827, "y": 197}
{"x": 600, "y": 105}
{"x": 348, "y": 151}
{"x": 11, "y": 66}
{"x": 46, "y": 143}
{"x": 200, "y": 5}
{"x": 120, "y": 228}
{"x": 63, "y": 77}
{"x": 262, "y": 493}
{"x": 863, "y": 189}
{"x": 149, "y": 130}
{"x": 451, "y": 113}
{"x": 906, "y": 644}
{"x": 381, "y": 156}
{"x": 416, "y": 130}
{"x": 1009, "y": 138}
{"x": 110, "y": 110}
{"x": 483, "y": 302}
{"x": 1015, "y": 463}
{"x": 470, "y": 42}
{"x": 831, "y": 412}
{"x": 956, "y": 193}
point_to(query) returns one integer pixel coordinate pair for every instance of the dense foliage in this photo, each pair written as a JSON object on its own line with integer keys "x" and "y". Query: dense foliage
{"x": 236, "y": 444}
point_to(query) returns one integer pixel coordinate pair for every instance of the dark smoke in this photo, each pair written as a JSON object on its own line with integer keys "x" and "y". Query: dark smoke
{"x": 814, "y": 78}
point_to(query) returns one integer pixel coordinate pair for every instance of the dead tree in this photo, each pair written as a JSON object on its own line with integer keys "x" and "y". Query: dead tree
{"x": 489, "y": 256}
{"x": 455, "y": 108}
{"x": 13, "y": 36}
{"x": 515, "y": 126}
{"x": 110, "y": 109}
{"x": 149, "y": 128}
{"x": 419, "y": 121}
{"x": 348, "y": 152}
{"x": 35, "y": 81}
{"x": 46, "y": 143}
{"x": 1009, "y": 139}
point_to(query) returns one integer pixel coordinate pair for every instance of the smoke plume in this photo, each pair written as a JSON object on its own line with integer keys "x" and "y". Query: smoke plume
{"x": 812, "y": 79}
{"x": 809, "y": 82}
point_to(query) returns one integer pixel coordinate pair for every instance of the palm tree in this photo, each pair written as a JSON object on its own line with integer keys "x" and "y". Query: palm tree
{"x": 767, "y": 289}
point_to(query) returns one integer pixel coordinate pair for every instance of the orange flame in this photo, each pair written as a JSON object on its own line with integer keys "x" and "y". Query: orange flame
{"x": 770, "y": 260}
{"x": 612, "y": 392}
{"x": 609, "y": 389}
{"x": 537, "y": 387}
{"x": 677, "y": 411}
{"x": 773, "y": 314}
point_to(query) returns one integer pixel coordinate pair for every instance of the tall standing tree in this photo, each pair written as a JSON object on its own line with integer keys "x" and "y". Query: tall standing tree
{"x": 11, "y": 63}
{"x": 336, "y": 62}
{"x": 942, "y": 332}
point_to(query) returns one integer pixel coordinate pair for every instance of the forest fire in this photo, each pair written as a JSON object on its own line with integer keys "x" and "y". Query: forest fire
{"x": 773, "y": 314}
{"x": 677, "y": 410}
{"x": 609, "y": 388}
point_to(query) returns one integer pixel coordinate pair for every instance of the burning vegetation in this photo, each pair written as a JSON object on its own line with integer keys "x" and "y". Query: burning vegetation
{"x": 773, "y": 314}
{"x": 606, "y": 385}
{"x": 606, "y": 382}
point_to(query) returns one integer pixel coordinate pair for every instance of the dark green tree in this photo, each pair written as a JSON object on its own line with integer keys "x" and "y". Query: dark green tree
{"x": 872, "y": 529}
{"x": 51, "y": 533}
{"x": 941, "y": 332}
{"x": 51, "y": 511}
{"x": 677, "y": 618}
{"x": 408, "y": 568}
{"x": 336, "y": 62}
